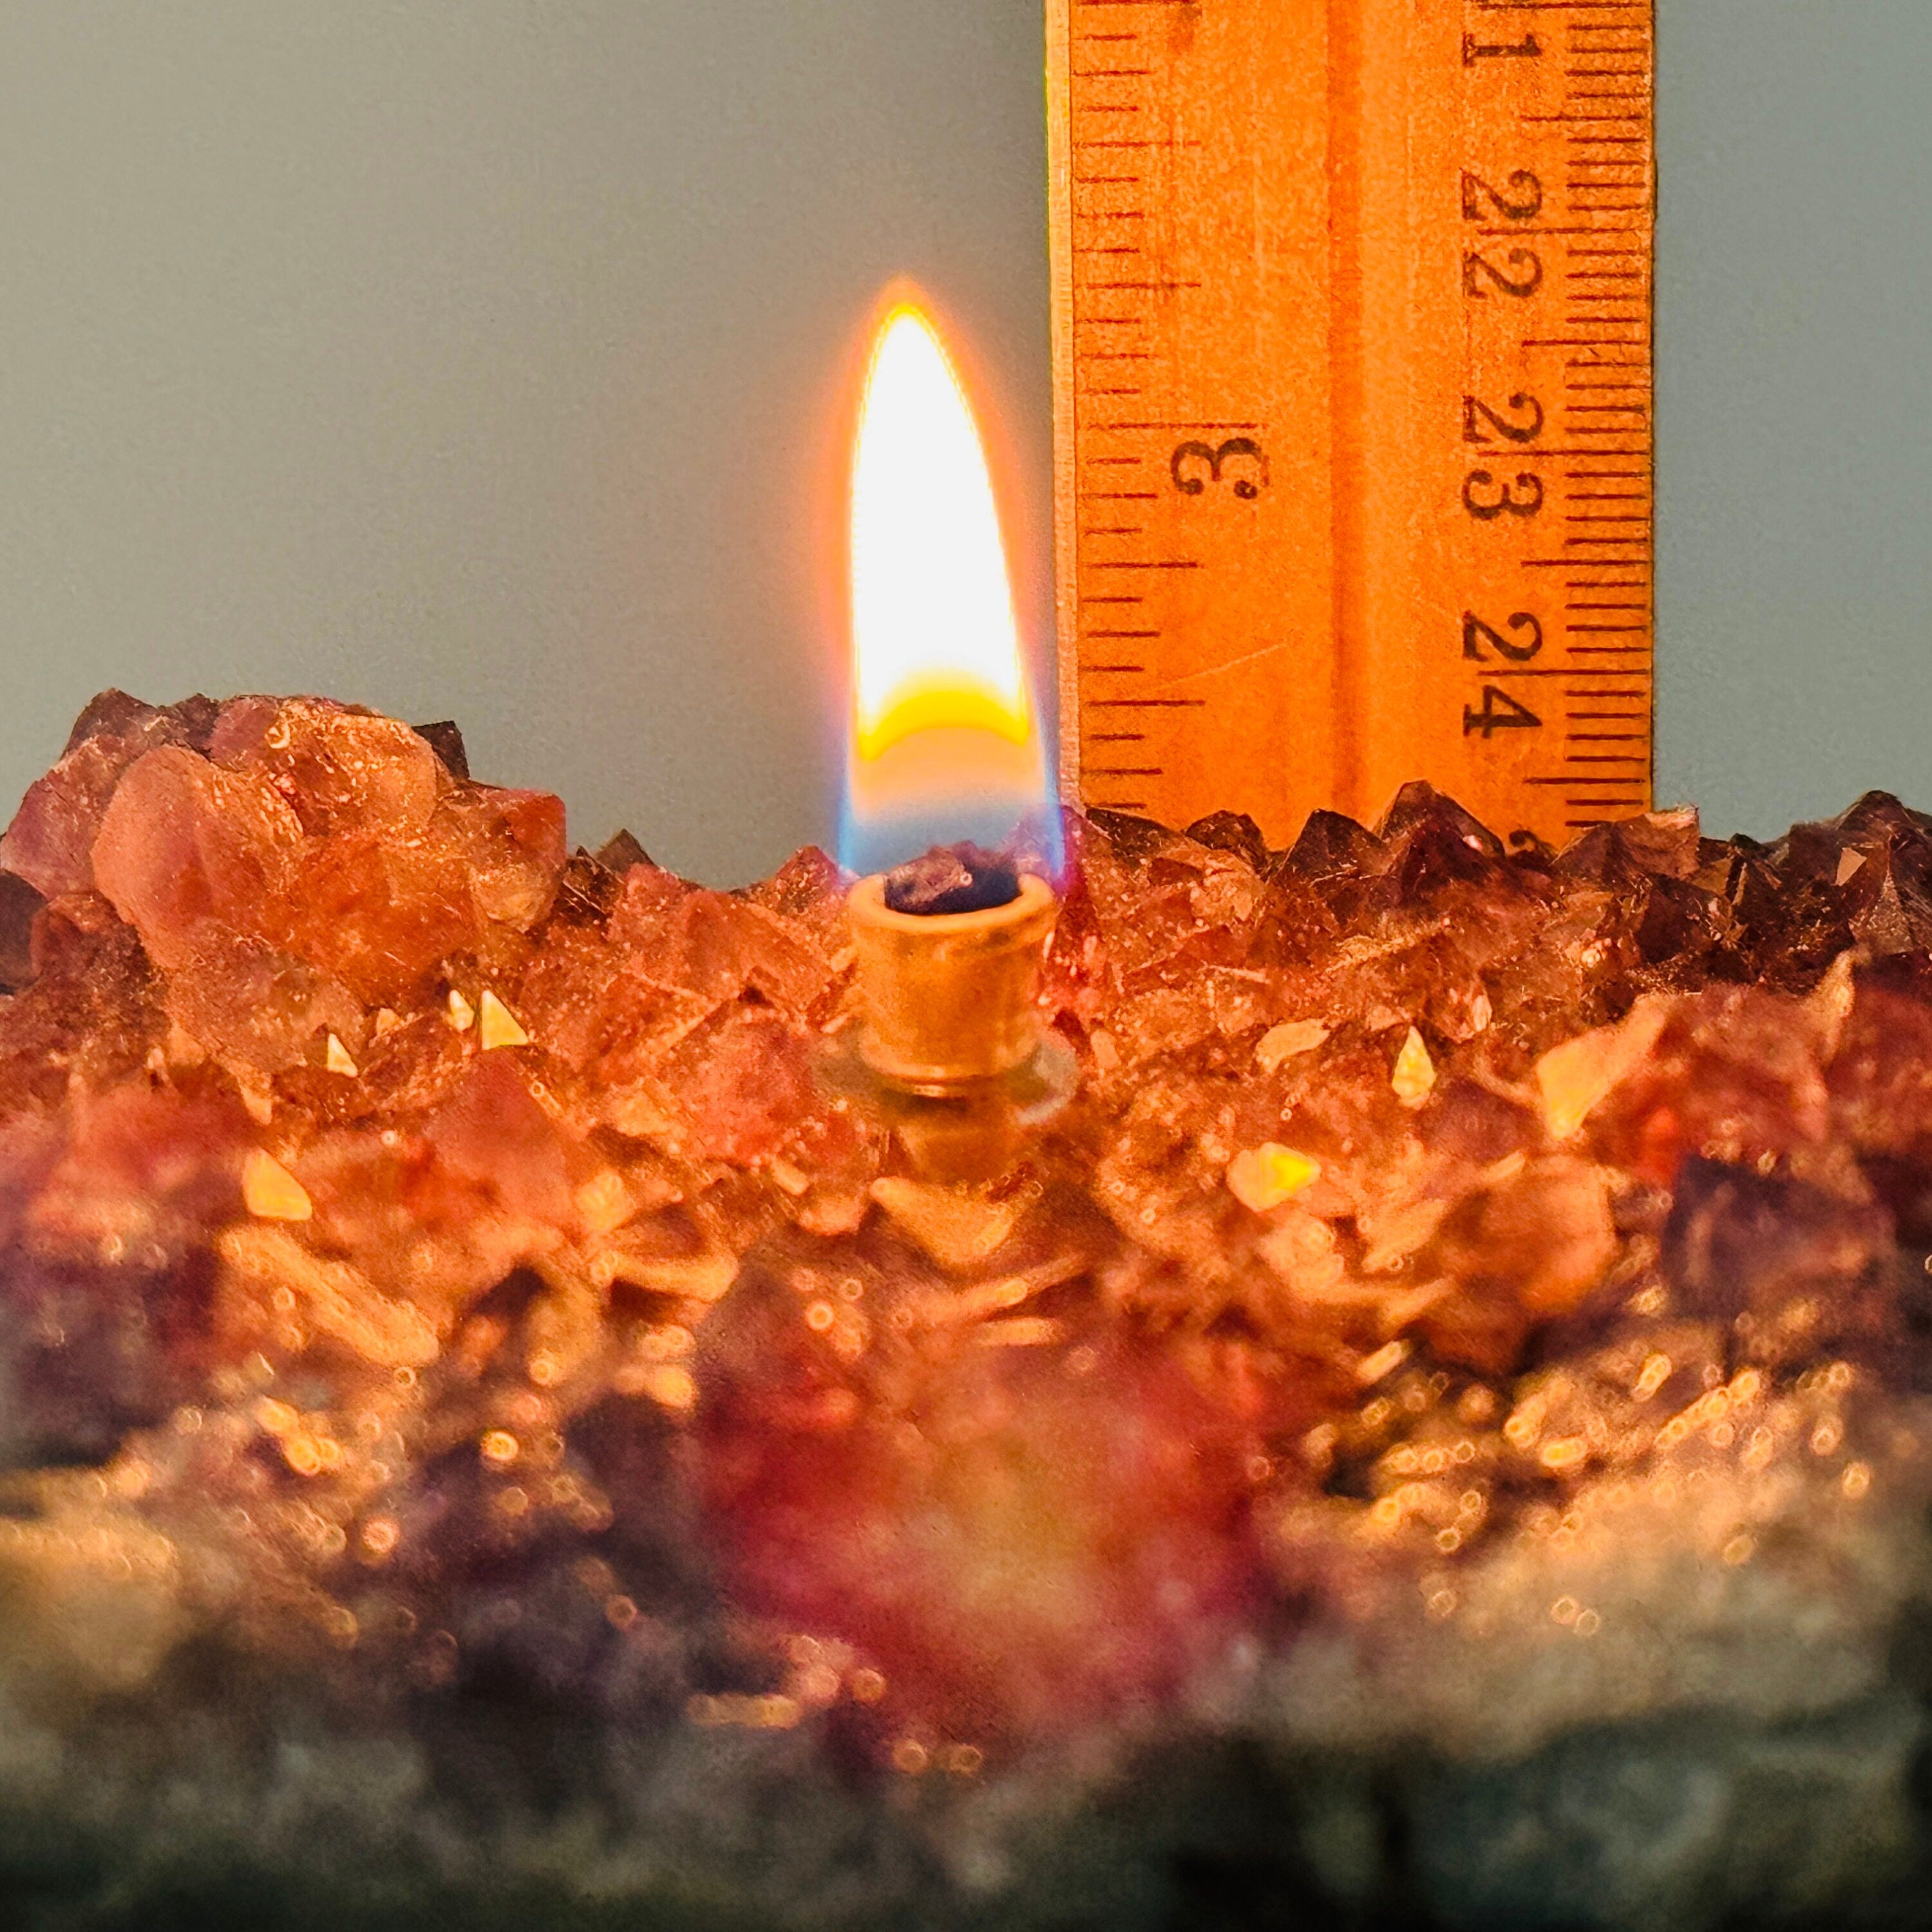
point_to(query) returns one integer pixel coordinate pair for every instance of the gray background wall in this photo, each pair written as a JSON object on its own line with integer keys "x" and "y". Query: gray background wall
{"x": 478, "y": 357}
{"x": 1794, "y": 405}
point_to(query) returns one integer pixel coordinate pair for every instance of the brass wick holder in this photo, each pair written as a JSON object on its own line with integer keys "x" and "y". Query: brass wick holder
{"x": 951, "y": 1050}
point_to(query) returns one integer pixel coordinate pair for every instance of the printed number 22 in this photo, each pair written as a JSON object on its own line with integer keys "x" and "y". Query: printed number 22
{"x": 1524, "y": 282}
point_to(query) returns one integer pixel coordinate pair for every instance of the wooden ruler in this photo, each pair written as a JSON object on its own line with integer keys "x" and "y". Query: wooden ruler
{"x": 1352, "y": 323}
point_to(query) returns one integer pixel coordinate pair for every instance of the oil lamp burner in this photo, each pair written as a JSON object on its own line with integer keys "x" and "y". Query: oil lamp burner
{"x": 944, "y": 751}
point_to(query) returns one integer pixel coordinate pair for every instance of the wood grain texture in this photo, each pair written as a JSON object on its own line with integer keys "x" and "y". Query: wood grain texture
{"x": 1352, "y": 327}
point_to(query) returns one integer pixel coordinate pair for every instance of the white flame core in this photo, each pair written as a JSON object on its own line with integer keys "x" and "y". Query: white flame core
{"x": 935, "y": 638}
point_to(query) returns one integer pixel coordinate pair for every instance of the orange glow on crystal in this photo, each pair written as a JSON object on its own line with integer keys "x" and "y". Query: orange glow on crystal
{"x": 943, "y": 734}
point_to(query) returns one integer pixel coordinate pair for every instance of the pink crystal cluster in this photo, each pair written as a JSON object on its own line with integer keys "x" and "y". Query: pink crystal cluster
{"x": 430, "y": 1254}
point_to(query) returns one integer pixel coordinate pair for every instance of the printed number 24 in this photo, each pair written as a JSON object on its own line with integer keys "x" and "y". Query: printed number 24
{"x": 1500, "y": 713}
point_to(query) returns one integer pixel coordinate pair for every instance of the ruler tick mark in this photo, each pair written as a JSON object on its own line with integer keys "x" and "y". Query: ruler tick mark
{"x": 1178, "y": 425}
{"x": 1598, "y": 785}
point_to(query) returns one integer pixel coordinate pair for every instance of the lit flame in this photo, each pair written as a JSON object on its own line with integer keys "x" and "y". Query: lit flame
{"x": 944, "y": 744}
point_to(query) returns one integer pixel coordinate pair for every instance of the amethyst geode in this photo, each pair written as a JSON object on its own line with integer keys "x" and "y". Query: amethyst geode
{"x": 1437, "y": 1433}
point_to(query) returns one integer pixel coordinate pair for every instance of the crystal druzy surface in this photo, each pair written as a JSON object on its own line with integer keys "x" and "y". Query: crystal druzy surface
{"x": 1437, "y": 1431}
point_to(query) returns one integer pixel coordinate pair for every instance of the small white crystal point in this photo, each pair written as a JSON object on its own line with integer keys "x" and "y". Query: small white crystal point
{"x": 500, "y": 1027}
{"x": 270, "y": 1191}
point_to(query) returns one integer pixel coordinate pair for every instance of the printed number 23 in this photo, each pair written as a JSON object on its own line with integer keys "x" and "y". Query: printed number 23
{"x": 1485, "y": 498}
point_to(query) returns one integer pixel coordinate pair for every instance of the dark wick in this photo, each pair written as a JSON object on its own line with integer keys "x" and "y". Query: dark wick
{"x": 953, "y": 878}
